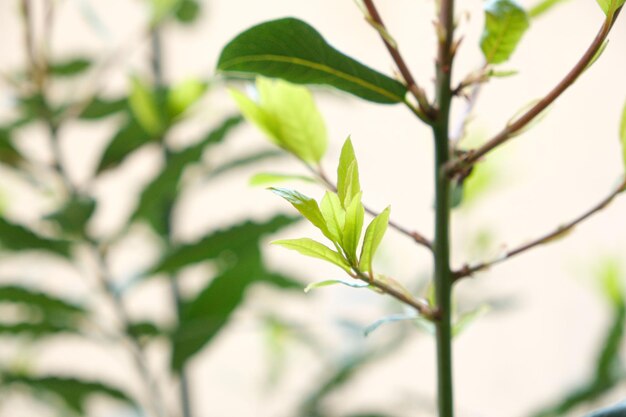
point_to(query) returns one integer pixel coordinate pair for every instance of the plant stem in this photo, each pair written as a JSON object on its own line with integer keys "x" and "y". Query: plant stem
{"x": 443, "y": 275}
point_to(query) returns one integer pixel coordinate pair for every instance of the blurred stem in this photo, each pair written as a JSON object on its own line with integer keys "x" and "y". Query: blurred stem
{"x": 157, "y": 60}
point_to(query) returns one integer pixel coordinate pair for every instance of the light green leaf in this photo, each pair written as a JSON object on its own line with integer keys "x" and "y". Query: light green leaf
{"x": 352, "y": 228}
{"x": 543, "y": 6}
{"x": 162, "y": 9}
{"x": 306, "y": 206}
{"x": 348, "y": 183}
{"x": 609, "y": 7}
{"x": 328, "y": 283}
{"x": 309, "y": 247}
{"x": 505, "y": 24}
{"x": 334, "y": 215}
{"x": 373, "y": 236}
{"x": 468, "y": 318}
{"x": 267, "y": 178}
{"x": 287, "y": 114}
{"x": 622, "y": 134}
{"x": 144, "y": 106}
{"x": 294, "y": 51}
{"x": 183, "y": 95}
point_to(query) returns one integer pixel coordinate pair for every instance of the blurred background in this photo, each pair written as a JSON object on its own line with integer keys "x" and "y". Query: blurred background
{"x": 136, "y": 272}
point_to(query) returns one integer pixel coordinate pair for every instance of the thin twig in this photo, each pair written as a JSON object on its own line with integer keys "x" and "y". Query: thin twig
{"x": 426, "y": 112}
{"x": 468, "y": 270}
{"x": 417, "y": 237}
{"x": 463, "y": 163}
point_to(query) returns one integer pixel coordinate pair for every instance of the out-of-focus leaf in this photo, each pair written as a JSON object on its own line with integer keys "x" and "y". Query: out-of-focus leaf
{"x": 35, "y": 330}
{"x": 144, "y": 105}
{"x": 157, "y": 199}
{"x": 468, "y": 318}
{"x": 48, "y": 305}
{"x": 618, "y": 410}
{"x": 609, "y": 7}
{"x": 309, "y": 247}
{"x": 162, "y": 10}
{"x": 17, "y": 238}
{"x": 73, "y": 217}
{"x": 243, "y": 161}
{"x": 373, "y": 237}
{"x": 100, "y": 108}
{"x": 183, "y": 95}
{"x": 8, "y": 153}
{"x": 145, "y": 329}
{"x": 74, "y": 393}
{"x": 306, "y": 206}
{"x": 542, "y": 7}
{"x": 188, "y": 11}
{"x": 130, "y": 137}
{"x": 70, "y": 67}
{"x": 267, "y": 178}
{"x": 348, "y": 183}
{"x": 218, "y": 242}
{"x": 294, "y": 51}
{"x": 327, "y": 283}
{"x": 622, "y": 134}
{"x": 287, "y": 114}
{"x": 355, "y": 213}
{"x": 505, "y": 24}
{"x": 456, "y": 194}
{"x": 282, "y": 281}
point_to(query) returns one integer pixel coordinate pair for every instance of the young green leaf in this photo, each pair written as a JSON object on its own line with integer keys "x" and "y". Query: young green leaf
{"x": 294, "y": 51}
{"x": 622, "y": 134}
{"x": 352, "y": 228}
{"x": 328, "y": 283}
{"x": 144, "y": 106}
{"x": 287, "y": 114}
{"x": 505, "y": 24}
{"x": 334, "y": 215}
{"x": 373, "y": 236}
{"x": 267, "y": 178}
{"x": 609, "y": 7}
{"x": 183, "y": 95}
{"x": 348, "y": 183}
{"x": 306, "y": 206}
{"x": 309, "y": 247}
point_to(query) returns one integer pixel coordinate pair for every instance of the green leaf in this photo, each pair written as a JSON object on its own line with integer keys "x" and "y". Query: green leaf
{"x": 162, "y": 10}
{"x": 373, "y": 237}
{"x": 144, "y": 105}
{"x": 543, "y": 6}
{"x": 348, "y": 183}
{"x": 44, "y": 305}
{"x": 183, "y": 95}
{"x": 37, "y": 330}
{"x": 73, "y": 217}
{"x": 100, "y": 108}
{"x": 17, "y": 238}
{"x": 309, "y": 247}
{"x": 267, "y": 178}
{"x": 188, "y": 11}
{"x": 294, "y": 51}
{"x": 157, "y": 199}
{"x": 145, "y": 329}
{"x": 9, "y": 154}
{"x": 306, "y": 206}
{"x": 130, "y": 137}
{"x": 71, "y": 67}
{"x": 328, "y": 283}
{"x": 622, "y": 134}
{"x": 287, "y": 114}
{"x": 352, "y": 228}
{"x": 244, "y": 161}
{"x": 505, "y": 24}
{"x": 334, "y": 216}
{"x": 73, "y": 392}
{"x": 609, "y": 7}
{"x": 217, "y": 243}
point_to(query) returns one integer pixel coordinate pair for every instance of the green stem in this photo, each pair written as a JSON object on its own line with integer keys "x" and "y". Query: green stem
{"x": 443, "y": 276}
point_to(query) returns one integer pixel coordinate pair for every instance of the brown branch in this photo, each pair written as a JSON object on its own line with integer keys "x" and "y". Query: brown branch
{"x": 427, "y": 111}
{"x": 417, "y": 237}
{"x": 463, "y": 163}
{"x": 468, "y": 270}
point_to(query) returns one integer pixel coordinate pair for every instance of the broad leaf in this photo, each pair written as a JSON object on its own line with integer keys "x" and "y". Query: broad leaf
{"x": 609, "y": 7}
{"x": 74, "y": 393}
{"x": 70, "y": 67}
{"x": 352, "y": 228}
{"x": 373, "y": 236}
{"x": 294, "y": 51}
{"x": 212, "y": 246}
{"x": 309, "y": 247}
{"x": 328, "y": 283}
{"x": 334, "y": 216}
{"x": 287, "y": 114}
{"x": 306, "y": 206}
{"x": 17, "y": 238}
{"x": 505, "y": 24}
{"x": 269, "y": 178}
{"x": 622, "y": 134}
{"x": 348, "y": 183}
{"x": 144, "y": 105}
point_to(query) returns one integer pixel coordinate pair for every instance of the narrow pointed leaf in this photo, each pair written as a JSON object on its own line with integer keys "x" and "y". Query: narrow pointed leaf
{"x": 70, "y": 67}
{"x": 334, "y": 215}
{"x": 14, "y": 237}
{"x": 373, "y": 236}
{"x": 328, "y": 283}
{"x": 294, "y": 51}
{"x": 306, "y": 206}
{"x": 348, "y": 183}
{"x": 352, "y": 229}
{"x": 129, "y": 138}
{"x": 269, "y": 178}
{"x": 505, "y": 24}
{"x": 100, "y": 108}
{"x": 314, "y": 249}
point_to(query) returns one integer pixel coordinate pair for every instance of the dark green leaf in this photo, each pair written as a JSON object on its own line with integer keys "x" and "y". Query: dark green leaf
{"x": 144, "y": 329}
{"x": 157, "y": 199}
{"x": 294, "y": 51}
{"x": 128, "y": 139}
{"x": 70, "y": 67}
{"x": 73, "y": 392}
{"x": 505, "y": 24}
{"x": 17, "y": 238}
{"x": 73, "y": 217}
{"x": 100, "y": 107}
{"x": 214, "y": 245}
{"x": 48, "y": 305}
{"x": 8, "y": 153}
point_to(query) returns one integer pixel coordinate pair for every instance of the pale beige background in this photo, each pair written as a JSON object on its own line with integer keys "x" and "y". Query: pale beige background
{"x": 506, "y": 364}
